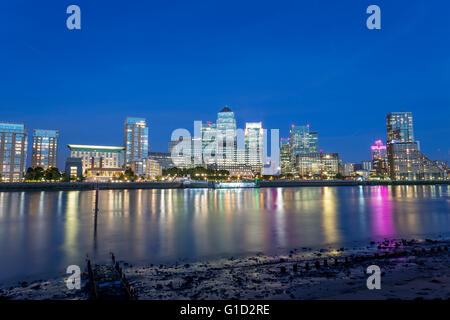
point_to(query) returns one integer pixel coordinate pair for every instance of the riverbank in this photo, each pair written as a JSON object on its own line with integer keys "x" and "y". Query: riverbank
{"x": 411, "y": 269}
{"x": 67, "y": 186}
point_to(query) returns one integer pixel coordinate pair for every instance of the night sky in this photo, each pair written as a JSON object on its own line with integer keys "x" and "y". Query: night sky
{"x": 279, "y": 62}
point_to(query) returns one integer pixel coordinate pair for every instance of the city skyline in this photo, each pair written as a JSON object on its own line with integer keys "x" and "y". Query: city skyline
{"x": 280, "y": 68}
{"x": 63, "y": 152}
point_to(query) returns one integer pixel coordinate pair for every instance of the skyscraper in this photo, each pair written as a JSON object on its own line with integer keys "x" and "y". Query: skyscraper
{"x": 209, "y": 142}
{"x": 44, "y": 148}
{"x": 303, "y": 141}
{"x": 254, "y": 145}
{"x": 226, "y": 137}
{"x": 285, "y": 156}
{"x": 405, "y": 160}
{"x": 13, "y": 151}
{"x": 400, "y": 126}
{"x": 135, "y": 139}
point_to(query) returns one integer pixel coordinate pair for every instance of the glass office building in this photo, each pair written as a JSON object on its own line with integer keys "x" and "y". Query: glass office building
{"x": 285, "y": 156}
{"x": 226, "y": 137}
{"x": 254, "y": 156}
{"x": 135, "y": 139}
{"x": 44, "y": 149}
{"x": 209, "y": 142}
{"x": 13, "y": 151}
{"x": 303, "y": 141}
{"x": 400, "y": 127}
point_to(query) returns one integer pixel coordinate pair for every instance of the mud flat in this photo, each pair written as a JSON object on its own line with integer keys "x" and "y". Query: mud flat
{"x": 411, "y": 269}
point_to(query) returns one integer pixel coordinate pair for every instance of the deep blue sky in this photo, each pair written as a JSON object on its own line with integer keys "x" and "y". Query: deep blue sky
{"x": 279, "y": 62}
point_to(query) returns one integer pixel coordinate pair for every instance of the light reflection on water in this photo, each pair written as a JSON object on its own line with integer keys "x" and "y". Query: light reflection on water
{"x": 44, "y": 232}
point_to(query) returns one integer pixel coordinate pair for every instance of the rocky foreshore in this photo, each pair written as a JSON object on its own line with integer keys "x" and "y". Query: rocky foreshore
{"x": 410, "y": 269}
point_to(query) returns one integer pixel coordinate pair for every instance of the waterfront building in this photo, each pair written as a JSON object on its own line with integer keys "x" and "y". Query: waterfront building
{"x": 381, "y": 167}
{"x": 98, "y": 156}
{"x": 303, "y": 141}
{"x": 317, "y": 164}
{"x": 103, "y": 174}
{"x": 378, "y": 151}
{"x": 135, "y": 139}
{"x": 347, "y": 169}
{"x": 226, "y": 137}
{"x": 378, "y": 154}
{"x": 209, "y": 142}
{"x": 254, "y": 146}
{"x": 285, "y": 157}
{"x": 74, "y": 168}
{"x": 400, "y": 126}
{"x": 163, "y": 158}
{"x": 406, "y": 162}
{"x": 13, "y": 151}
{"x": 182, "y": 152}
{"x": 366, "y": 165}
{"x": 235, "y": 169}
{"x": 146, "y": 168}
{"x": 44, "y": 149}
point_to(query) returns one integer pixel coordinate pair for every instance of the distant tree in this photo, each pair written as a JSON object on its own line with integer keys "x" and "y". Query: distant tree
{"x": 65, "y": 177}
{"x": 129, "y": 175}
{"x": 34, "y": 174}
{"x": 52, "y": 174}
{"x": 339, "y": 176}
{"x": 81, "y": 178}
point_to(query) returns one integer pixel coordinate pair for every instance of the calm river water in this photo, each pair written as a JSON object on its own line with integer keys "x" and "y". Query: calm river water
{"x": 41, "y": 233}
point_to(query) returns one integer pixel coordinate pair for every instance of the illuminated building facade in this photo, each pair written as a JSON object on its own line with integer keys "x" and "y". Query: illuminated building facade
{"x": 135, "y": 139}
{"x": 379, "y": 158}
{"x": 163, "y": 158}
{"x": 285, "y": 156}
{"x": 74, "y": 167}
{"x": 209, "y": 142}
{"x": 13, "y": 151}
{"x": 317, "y": 164}
{"x": 400, "y": 126}
{"x": 226, "y": 137}
{"x": 44, "y": 149}
{"x": 303, "y": 141}
{"x": 406, "y": 162}
{"x": 254, "y": 145}
{"x": 98, "y": 156}
{"x": 147, "y": 168}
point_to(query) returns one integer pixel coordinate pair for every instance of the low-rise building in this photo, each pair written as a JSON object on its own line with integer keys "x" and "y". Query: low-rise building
{"x": 74, "y": 168}
{"x": 146, "y": 168}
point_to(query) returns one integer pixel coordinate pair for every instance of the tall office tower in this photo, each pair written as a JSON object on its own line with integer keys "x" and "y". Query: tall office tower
{"x": 303, "y": 141}
{"x": 45, "y": 148}
{"x": 254, "y": 155}
{"x": 209, "y": 142}
{"x": 13, "y": 151}
{"x": 226, "y": 137}
{"x": 400, "y": 126}
{"x": 285, "y": 156}
{"x": 135, "y": 139}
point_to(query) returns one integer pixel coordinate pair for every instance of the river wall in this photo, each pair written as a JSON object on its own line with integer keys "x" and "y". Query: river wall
{"x": 57, "y": 186}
